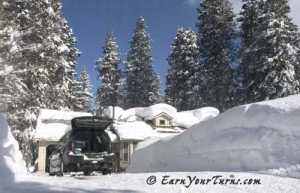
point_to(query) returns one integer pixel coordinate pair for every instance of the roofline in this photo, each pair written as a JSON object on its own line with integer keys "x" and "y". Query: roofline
{"x": 163, "y": 113}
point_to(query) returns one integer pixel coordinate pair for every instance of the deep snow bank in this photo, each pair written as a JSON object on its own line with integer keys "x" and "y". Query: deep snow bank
{"x": 11, "y": 162}
{"x": 252, "y": 137}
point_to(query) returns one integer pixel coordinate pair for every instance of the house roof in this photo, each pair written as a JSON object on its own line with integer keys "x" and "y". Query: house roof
{"x": 163, "y": 114}
{"x": 53, "y": 124}
{"x": 136, "y": 131}
{"x": 152, "y": 111}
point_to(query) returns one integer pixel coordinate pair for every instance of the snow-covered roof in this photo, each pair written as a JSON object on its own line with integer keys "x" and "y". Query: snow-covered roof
{"x": 152, "y": 111}
{"x": 163, "y": 114}
{"x": 187, "y": 119}
{"x": 181, "y": 119}
{"x": 132, "y": 124}
{"x": 137, "y": 130}
{"x": 53, "y": 124}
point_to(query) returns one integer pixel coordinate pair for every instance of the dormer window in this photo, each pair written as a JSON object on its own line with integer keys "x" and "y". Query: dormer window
{"x": 162, "y": 122}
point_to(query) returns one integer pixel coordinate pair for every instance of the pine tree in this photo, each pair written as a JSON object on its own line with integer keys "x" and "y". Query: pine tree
{"x": 109, "y": 74}
{"x": 142, "y": 83}
{"x": 82, "y": 93}
{"x": 216, "y": 30}
{"x": 44, "y": 59}
{"x": 183, "y": 68}
{"x": 275, "y": 54}
{"x": 12, "y": 88}
{"x": 249, "y": 18}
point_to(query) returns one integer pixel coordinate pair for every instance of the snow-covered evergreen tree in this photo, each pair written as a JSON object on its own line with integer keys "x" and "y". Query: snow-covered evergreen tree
{"x": 142, "y": 82}
{"x": 275, "y": 57}
{"x": 82, "y": 93}
{"x": 249, "y": 18}
{"x": 12, "y": 89}
{"x": 109, "y": 74}
{"x": 216, "y": 30}
{"x": 182, "y": 78}
{"x": 44, "y": 59}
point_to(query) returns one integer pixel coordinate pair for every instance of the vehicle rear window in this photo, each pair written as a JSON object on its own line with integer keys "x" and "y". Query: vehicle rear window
{"x": 91, "y": 140}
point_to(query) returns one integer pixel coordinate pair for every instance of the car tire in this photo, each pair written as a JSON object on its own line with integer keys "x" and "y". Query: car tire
{"x": 87, "y": 173}
{"x": 61, "y": 167}
{"x": 106, "y": 171}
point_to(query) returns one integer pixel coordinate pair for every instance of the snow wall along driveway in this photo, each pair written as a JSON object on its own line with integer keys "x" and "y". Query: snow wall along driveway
{"x": 252, "y": 137}
{"x": 11, "y": 162}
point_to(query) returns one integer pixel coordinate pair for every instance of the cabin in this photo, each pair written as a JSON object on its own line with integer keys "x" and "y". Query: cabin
{"x": 51, "y": 126}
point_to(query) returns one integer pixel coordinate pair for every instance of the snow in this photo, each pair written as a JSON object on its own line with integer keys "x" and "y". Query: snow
{"x": 11, "y": 161}
{"x": 137, "y": 183}
{"x": 252, "y": 137}
{"x": 110, "y": 110}
{"x": 137, "y": 130}
{"x": 181, "y": 119}
{"x": 132, "y": 112}
{"x": 262, "y": 136}
{"x": 62, "y": 48}
{"x": 188, "y": 118}
{"x": 53, "y": 124}
{"x": 152, "y": 111}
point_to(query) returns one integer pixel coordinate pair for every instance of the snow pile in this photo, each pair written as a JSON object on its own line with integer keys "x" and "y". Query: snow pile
{"x": 109, "y": 112}
{"x": 188, "y": 118}
{"x": 137, "y": 130}
{"x": 53, "y": 124}
{"x": 152, "y": 111}
{"x": 180, "y": 119}
{"x": 292, "y": 172}
{"x": 132, "y": 114}
{"x": 11, "y": 161}
{"x": 252, "y": 137}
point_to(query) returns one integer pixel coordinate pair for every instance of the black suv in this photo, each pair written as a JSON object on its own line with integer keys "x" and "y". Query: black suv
{"x": 86, "y": 147}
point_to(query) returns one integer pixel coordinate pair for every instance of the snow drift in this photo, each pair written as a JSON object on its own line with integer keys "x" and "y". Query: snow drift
{"x": 252, "y": 137}
{"x": 11, "y": 162}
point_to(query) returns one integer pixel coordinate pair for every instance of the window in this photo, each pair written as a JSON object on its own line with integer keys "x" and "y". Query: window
{"x": 162, "y": 122}
{"x": 125, "y": 152}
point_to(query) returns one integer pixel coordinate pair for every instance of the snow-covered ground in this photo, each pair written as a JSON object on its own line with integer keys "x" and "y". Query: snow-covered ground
{"x": 165, "y": 182}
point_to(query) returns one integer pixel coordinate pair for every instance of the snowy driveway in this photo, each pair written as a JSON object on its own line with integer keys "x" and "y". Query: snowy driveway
{"x": 165, "y": 182}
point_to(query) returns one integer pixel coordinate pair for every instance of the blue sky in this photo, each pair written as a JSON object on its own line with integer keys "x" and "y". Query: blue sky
{"x": 92, "y": 19}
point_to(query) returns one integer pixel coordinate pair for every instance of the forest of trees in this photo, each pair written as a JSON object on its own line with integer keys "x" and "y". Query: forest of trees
{"x": 229, "y": 60}
{"x": 257, "y": 61}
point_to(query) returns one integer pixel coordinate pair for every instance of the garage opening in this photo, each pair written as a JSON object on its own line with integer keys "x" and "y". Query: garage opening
{"x": 49, "y": 149}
